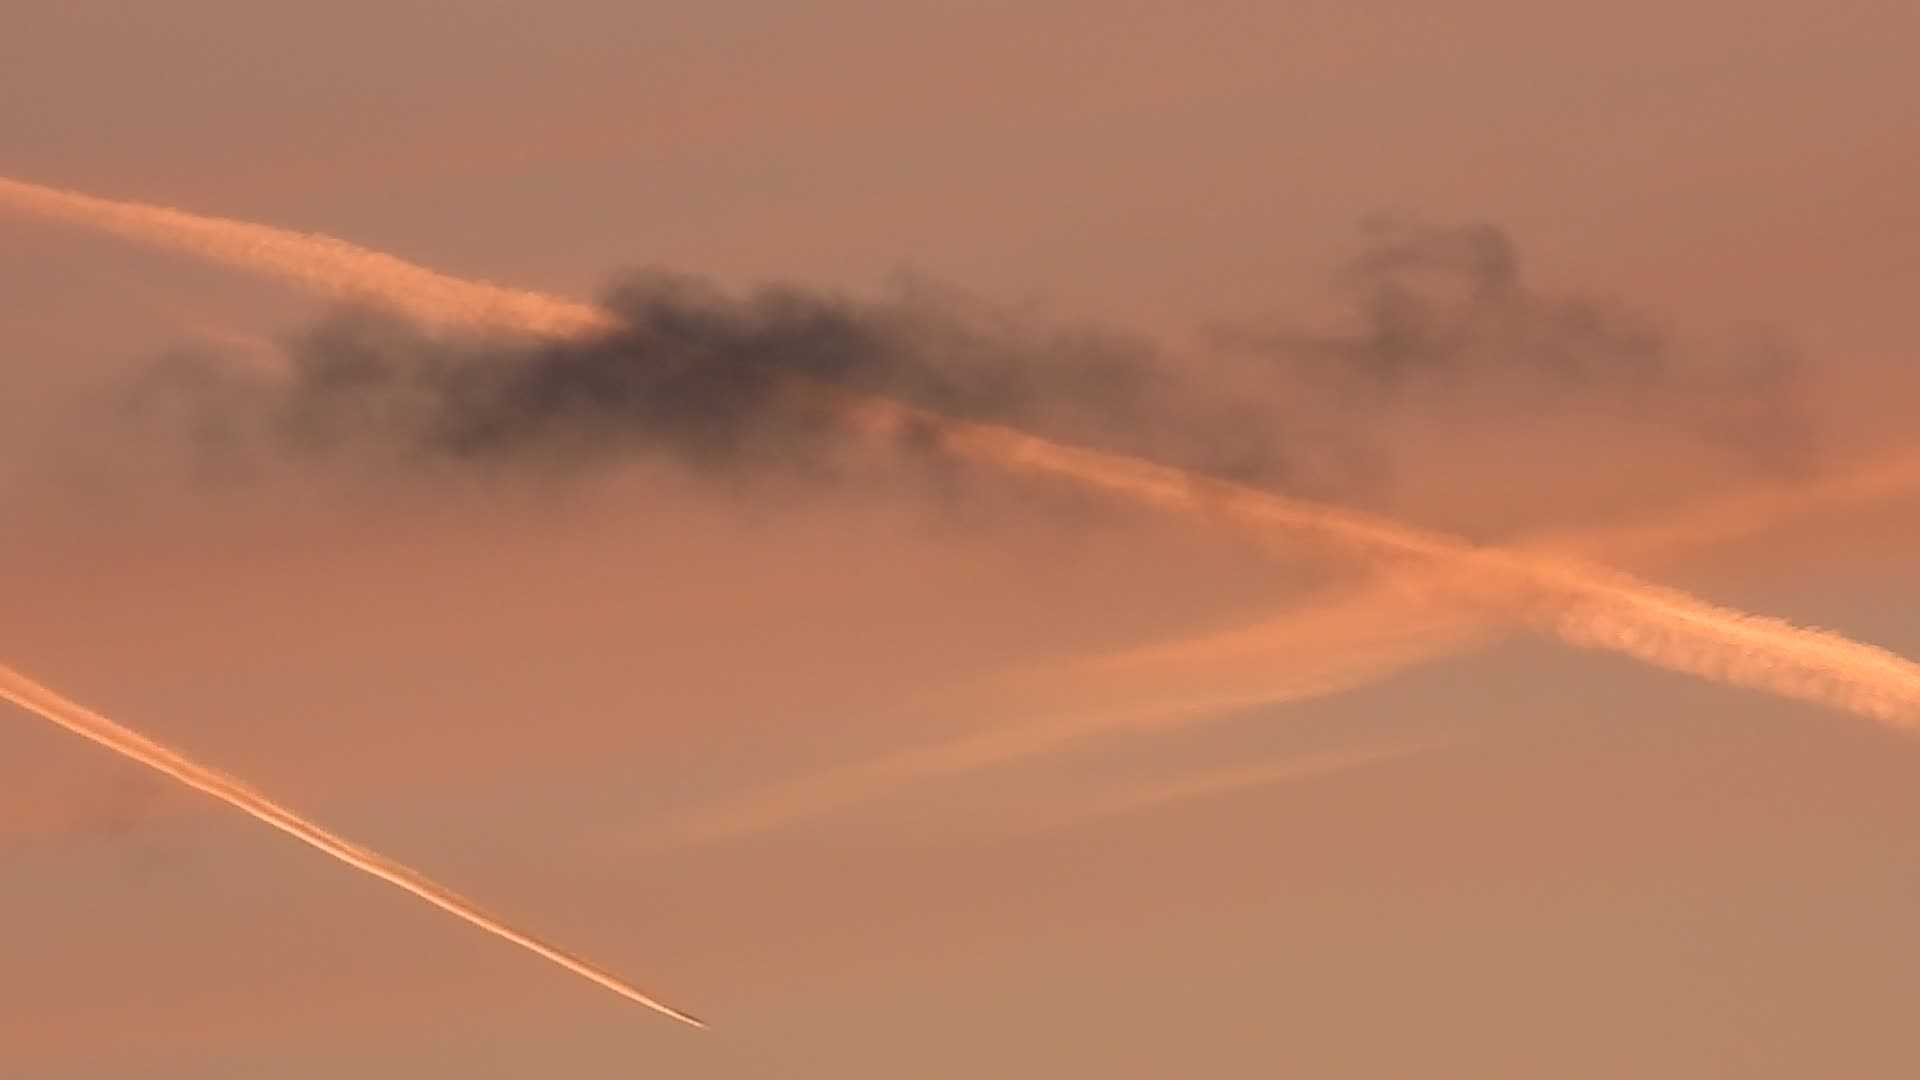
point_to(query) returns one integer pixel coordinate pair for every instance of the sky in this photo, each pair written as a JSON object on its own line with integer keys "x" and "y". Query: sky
{"x": 937, "y": 772}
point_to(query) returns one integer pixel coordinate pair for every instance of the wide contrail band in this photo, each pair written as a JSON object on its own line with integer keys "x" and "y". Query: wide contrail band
{"x": 88, "y": 724}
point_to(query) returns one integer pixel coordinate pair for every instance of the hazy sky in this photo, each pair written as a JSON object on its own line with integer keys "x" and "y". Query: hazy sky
{"x": 1512, "y": 860}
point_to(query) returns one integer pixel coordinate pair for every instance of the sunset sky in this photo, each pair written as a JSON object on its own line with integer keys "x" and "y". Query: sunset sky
{"x": 955, "y": 774}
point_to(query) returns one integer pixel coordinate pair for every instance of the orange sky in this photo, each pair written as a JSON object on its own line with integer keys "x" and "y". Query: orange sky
{"x": 1583, "y": 867}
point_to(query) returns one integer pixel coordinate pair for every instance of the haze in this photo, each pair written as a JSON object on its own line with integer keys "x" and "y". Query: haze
{"x": 914, "y": 770}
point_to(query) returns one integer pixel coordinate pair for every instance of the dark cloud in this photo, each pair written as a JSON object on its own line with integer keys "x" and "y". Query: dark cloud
{"x": 1446, "y": 304}
{"x": 1444, "y": 327}
{"x": 716, "y": 382}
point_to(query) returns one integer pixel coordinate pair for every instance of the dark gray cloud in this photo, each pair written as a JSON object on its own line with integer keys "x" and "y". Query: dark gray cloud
{"x": 710, "y": 380}
{"x": 1444, "y": 328}
{"x": 1446, "y": 308}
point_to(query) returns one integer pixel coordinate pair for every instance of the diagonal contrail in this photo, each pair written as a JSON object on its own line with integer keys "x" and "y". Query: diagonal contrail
{"x": 88, "y": 724}
{"x": 321, "y": 263}
{"x": 1261, "y": 774}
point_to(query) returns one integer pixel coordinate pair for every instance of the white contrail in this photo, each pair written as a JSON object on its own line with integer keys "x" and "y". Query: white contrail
{"x": 88, "y": 724}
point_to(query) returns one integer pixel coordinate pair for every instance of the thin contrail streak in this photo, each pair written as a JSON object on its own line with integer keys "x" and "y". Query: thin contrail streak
{"x": 88, "y": 724}
{"x": 313, "y": 261}
{"x": 1579, "y": 603}
{"x": 1239, "y": 777}
{"x": 832, "y": 789}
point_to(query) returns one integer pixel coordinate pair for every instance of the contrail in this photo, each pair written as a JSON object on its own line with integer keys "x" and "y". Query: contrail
{"x": 1239, "y": 777}
{"x": 88, "y": 724}
{"x": 1579, "y": 603}
{"x": 321, "y": 263}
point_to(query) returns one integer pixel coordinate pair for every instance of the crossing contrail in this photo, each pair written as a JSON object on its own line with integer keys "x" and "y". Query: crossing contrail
{"x": 1890, "y": 478}
{"x": 86, "y": 723}
{"x": 1416, "y": 612}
